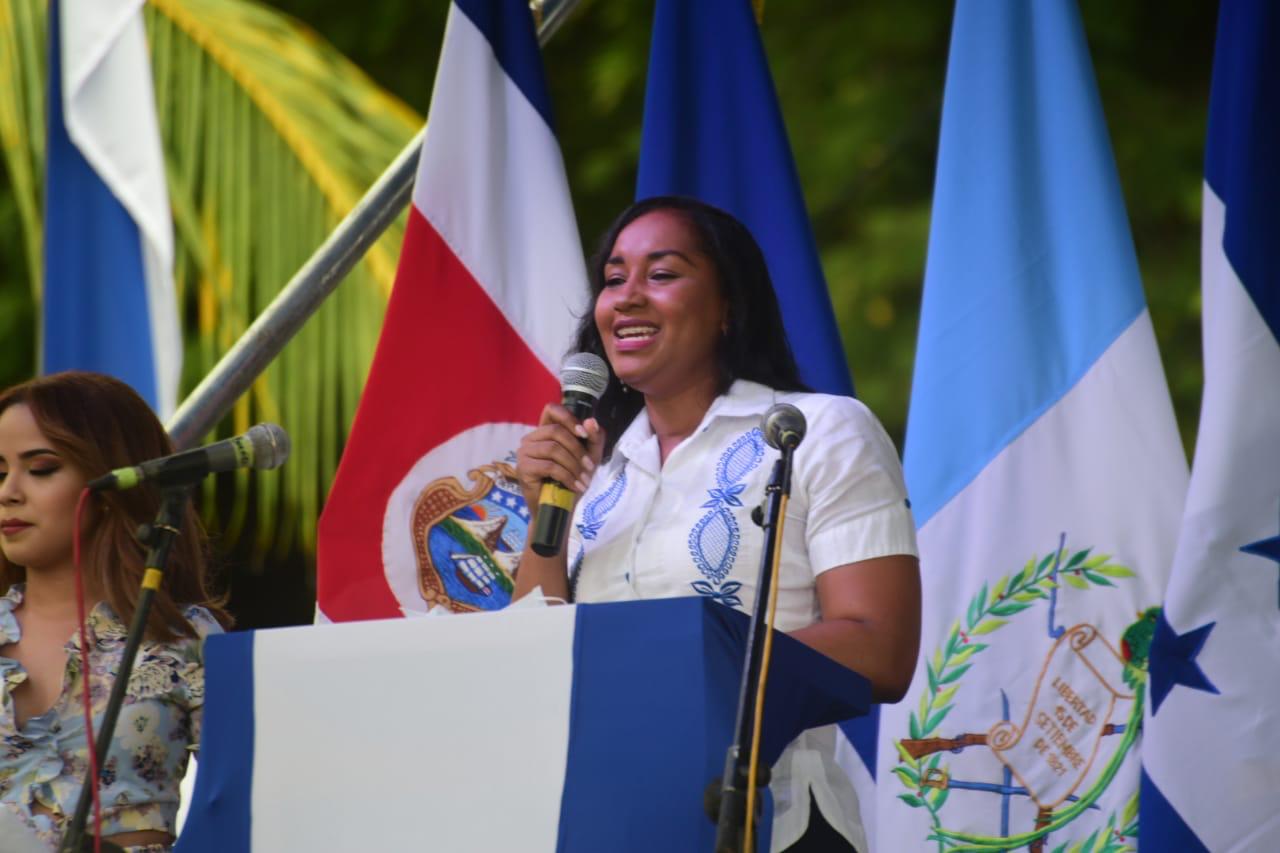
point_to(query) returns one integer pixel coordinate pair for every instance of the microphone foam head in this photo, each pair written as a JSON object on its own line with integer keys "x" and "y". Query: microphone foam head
{"x": 585, "y": 373}
{"x": 783, "y": 426}
{"x": 271, "y": 445}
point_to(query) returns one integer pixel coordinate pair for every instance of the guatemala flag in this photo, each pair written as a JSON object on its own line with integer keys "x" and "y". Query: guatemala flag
{"x": 109, "y": 302}
{"x": 713, "y": 130}
{"x": 425, "y": 510}
{"x": 1212, "y": 758}
{"x": 1042, "y": 459}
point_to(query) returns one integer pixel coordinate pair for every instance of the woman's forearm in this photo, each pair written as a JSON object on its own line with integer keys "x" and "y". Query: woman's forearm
{"x": 550, "y": 573}
{"x": 880, "y": 659}
{"x": 871, "y": 621}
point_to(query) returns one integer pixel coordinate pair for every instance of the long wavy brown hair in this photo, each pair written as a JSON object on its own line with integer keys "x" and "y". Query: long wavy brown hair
{"x": 98, "y": 424}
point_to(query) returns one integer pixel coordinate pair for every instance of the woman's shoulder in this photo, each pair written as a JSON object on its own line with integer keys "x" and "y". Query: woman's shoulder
{"x": 831, "y": 410}
{"x": 843, "y": 426}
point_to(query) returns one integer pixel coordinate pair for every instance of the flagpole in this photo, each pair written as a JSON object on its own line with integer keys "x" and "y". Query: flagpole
{"x": 296, "y": 301}
{"x": 318, "y": 277}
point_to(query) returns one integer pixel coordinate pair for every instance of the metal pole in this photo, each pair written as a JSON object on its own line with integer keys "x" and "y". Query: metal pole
{"x": 312, "y": 284}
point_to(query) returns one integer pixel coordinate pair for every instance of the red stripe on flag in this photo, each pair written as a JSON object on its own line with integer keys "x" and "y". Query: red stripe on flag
{"x": 447, "y": 360}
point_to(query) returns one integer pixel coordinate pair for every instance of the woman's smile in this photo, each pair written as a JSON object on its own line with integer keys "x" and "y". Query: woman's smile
{"x": 633, "y": 335}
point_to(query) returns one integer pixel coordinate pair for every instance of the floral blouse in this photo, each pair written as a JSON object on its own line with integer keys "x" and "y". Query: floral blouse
{"x": 43, "y": 763}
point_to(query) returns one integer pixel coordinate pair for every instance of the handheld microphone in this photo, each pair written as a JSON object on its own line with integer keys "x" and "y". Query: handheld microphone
{"x": 783, "y": 426}
{"x": 263, "y": 446}
{"x": 583, "y": 379}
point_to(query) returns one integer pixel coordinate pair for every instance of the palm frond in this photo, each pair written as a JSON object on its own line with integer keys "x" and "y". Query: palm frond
{"x": 22, "y": 126}
{"x": 270, "y": 138}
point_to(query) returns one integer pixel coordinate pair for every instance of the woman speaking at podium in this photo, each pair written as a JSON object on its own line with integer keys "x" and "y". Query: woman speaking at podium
{"x": 667, "y": 473}
{"x": 56, "y": 433}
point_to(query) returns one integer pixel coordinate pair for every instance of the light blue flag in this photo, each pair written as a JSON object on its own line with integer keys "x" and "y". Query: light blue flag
{"x": 108, "y": 301}
{"x": 1042, "y": 459}
{"x": 1212, "y": 758}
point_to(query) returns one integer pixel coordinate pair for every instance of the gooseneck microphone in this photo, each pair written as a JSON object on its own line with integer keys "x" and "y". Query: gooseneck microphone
{"x": 783, "y": 426}
{"x": 263, "y": 446}
{"x": 583, "y": 379}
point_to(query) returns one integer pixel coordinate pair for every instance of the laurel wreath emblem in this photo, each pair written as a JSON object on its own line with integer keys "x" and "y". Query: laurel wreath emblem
{"x": 989, "y": 611}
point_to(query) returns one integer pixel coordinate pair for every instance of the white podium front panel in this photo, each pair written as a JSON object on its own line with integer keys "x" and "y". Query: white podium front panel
{"x": 475, "y": 709}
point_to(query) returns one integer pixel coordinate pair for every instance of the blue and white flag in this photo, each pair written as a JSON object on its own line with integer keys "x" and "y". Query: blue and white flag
{"x": 1212, "y": 758}
{"x": 713, "y": 130}
{"x": 1043, "y": 462}
{"x": 576, "y": 729}
{"x": 109, "y": 302}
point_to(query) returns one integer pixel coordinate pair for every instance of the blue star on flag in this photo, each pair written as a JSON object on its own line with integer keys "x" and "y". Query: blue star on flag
{"x": 1266, "y": 548}
{"x": 1173, "y": 661}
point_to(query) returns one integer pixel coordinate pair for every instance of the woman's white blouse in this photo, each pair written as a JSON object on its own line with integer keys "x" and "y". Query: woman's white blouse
{"x": 648, "y": 530}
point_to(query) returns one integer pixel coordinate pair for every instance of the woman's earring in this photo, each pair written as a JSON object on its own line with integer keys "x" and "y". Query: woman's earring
{"x": 626, "y": 389}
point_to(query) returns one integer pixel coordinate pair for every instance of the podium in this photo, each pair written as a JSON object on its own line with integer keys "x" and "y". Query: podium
{"x": 574, "y": 728}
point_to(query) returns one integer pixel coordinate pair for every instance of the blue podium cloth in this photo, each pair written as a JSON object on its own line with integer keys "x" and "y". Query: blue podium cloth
{"x": 586, "y": 728}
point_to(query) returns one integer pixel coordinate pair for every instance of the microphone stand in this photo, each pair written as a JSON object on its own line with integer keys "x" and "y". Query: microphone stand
{"x": 727, "y": 805}
{"x": 159, "y": 537}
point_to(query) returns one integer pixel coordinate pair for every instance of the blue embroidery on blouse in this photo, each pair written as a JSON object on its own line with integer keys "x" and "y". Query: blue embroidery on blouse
{"x": 593, "y": 515}
{"x": 725, "y": 594}
{"x": 713, "y": 541}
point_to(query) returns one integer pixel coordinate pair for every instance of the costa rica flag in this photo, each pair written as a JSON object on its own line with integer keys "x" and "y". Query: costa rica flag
{"x": 424, "y": 510}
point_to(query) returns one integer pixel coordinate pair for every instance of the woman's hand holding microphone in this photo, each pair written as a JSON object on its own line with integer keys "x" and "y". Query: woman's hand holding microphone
{"x": 555, "y": 463}
{"x": 562, "y": 449}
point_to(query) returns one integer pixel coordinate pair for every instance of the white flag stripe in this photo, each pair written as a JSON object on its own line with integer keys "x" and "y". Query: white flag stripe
{"x": 482, "y": 208}
{"x": 1242, "y": 472}
{"x": 105, "y": 56}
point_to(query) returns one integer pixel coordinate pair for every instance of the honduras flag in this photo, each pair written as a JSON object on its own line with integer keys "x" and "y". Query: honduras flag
{"x": 713, "y": 130}
{"x": 109, "y": 302}
{"x": 575, "y": 729}
{"x": 1212, "y": 758}
{"x": 1042, "y": 458}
